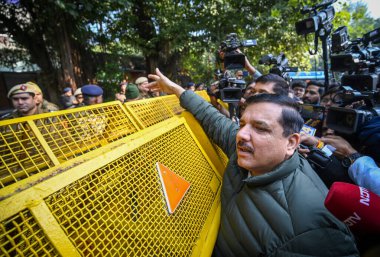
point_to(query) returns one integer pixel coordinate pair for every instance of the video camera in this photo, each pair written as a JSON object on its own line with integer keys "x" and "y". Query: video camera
{"x": 231, "y": 88}
{"x": 232, "y": 58}
{"x": 361, "y": 62}
{"x": 280, "y": 65}
{"x": 321, "y": 16}
{"x": 357, "y": 56}
{"x": 349, "y": 120}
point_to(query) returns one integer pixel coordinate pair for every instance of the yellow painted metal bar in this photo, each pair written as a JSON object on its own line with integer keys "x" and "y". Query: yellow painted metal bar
{"x": 43, "y": 143}
{"x": 53, "y": 230}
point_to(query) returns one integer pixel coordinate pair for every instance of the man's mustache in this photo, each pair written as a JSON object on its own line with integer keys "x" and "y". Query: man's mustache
{"x": 245, "y": 146}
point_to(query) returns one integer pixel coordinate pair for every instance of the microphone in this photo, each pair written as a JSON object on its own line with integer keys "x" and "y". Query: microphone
{"x": 356, "y": 206}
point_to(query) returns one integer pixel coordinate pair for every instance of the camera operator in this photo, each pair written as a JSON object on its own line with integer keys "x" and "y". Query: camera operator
{"x": 328, "y": 167}
{"x": 248, "y": 66}
{"x": 248, "y": 91}
{"x": 231, "y": 79}
{"x": 212, "y": 92}
{"x": 313, "y": 92}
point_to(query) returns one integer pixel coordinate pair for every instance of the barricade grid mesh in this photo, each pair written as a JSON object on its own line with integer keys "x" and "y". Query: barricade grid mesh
{"x": 21, "y": 235}
{"x": 222, "y": 156}
{"x": 73, "y": 134}
{"x": 172, "y": 102}
{"x": 120, "y": 209}
{"x": 149, "y": 111}
{"x": 21, "y": 154}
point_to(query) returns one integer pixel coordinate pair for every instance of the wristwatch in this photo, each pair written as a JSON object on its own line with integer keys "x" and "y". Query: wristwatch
{"x": 350, "y": 159}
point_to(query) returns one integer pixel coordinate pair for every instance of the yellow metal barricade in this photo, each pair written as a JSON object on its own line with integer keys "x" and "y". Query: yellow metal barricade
{"x": 110, "y": 202}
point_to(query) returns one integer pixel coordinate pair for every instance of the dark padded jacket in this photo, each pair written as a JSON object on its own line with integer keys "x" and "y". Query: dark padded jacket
{"x": 280, "y": 213}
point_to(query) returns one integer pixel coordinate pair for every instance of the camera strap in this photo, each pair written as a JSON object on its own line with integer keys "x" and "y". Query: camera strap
{"x": 315, "y": 44}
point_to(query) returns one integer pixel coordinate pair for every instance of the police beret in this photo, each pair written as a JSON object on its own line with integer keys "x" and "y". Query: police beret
{"x": 132, "y": 91}
{"x": 66, "y": 89}
{"x": 92, "y": 90}
{"x": 141, "y": 80}
{"x": 21, "y": 88}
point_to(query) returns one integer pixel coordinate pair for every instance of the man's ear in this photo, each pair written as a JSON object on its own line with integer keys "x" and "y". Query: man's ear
{"x": 293, "y": 142}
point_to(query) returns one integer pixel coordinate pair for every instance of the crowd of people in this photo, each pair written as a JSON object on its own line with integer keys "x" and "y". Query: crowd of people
{"x": 27, "y": 98}
{"x": 273, "y": 192}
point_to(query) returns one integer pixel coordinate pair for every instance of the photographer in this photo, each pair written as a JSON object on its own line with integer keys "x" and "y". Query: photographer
{"x": 313, "y": 92}
{"x": 269, "y": 83}
{"x": 328, "y": 168}
{"x": 247, "y": 65}
{"x": 231, "y": 81}
{"x": 212, "y": 92}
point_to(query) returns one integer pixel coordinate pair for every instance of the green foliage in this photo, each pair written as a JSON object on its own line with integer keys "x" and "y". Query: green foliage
{"x": 360, "y": 22}
{"x": 109, "y": 78}
{"x": 173, "y": 34}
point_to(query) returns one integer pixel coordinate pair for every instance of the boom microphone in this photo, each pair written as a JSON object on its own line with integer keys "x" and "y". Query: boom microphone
{"x": 356, "y": 206}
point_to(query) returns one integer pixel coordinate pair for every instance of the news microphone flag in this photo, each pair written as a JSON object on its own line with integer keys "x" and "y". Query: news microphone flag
{"x": 356, "y": 206}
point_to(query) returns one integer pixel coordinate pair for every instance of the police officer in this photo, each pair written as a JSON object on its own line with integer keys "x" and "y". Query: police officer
{"x": 142, "y": 83}
{"x": 132, "y": 93}
{"x": 92, "y": 94}
{"x": 42, "y": 104}
{"x": 79, "y": 96}
{"x": 23, "y": 100}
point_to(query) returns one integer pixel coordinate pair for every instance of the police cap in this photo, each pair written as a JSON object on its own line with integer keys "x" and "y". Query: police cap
{"x": 141, "y": 80}
{"x": 92, "y": 90}
{"x": 78, "y": 92}
{"x": 34, "y": 86}
{"x": 21, "y": 88}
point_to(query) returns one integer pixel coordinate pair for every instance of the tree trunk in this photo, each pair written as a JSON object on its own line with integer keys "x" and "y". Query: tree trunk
{"x": 67, "y": 67}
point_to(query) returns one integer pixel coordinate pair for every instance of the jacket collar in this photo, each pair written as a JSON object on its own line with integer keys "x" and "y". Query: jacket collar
{"x": 281, "y": 171}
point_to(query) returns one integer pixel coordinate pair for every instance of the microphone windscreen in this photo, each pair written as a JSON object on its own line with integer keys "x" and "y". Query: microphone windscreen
{"x": 356, "y": 206}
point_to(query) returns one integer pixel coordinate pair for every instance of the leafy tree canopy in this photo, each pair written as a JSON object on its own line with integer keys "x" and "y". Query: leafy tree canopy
{"x": 175, "y": 35}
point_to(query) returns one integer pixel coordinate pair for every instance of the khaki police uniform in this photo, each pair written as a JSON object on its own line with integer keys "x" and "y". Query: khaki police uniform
{"x": 31, "y": 88}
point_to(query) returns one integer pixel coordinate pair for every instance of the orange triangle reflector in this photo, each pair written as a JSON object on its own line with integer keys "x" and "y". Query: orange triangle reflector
{"x": 174, "y": 186}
